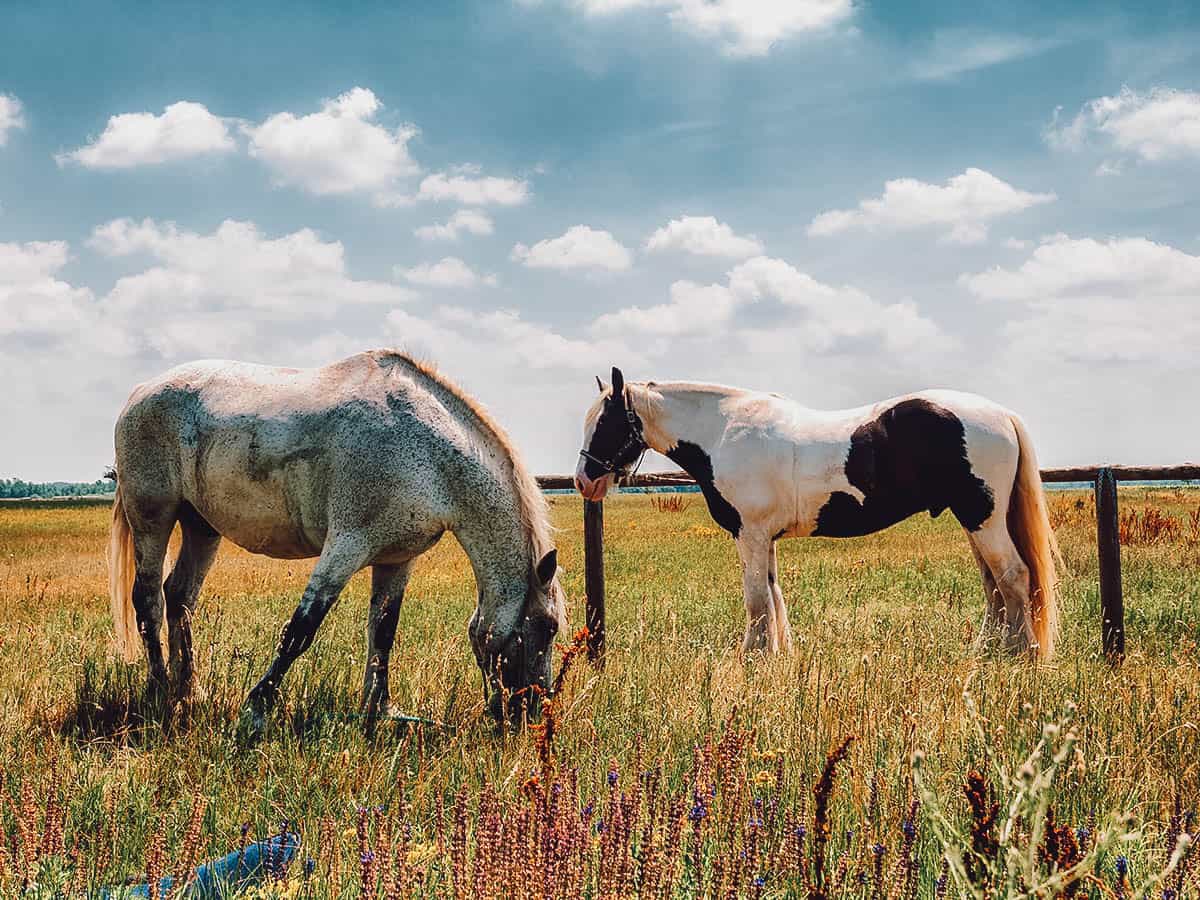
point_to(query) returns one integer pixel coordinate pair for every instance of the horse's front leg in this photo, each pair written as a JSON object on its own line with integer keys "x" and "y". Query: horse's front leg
{"x": 762, "y": 630}
{"x": 342, "y": 557}
{"x": 387, "y": 593}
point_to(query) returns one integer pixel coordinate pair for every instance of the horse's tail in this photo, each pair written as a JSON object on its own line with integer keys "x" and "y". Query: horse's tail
{"x": 121, "y": 571}
{"x": 1029, "y": 527}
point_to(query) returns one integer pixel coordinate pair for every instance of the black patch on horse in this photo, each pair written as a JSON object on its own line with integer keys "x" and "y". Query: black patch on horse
{"x": 912, "y": 457}
{"x": 693, "y": 460}
{"x": 611, "y": 433}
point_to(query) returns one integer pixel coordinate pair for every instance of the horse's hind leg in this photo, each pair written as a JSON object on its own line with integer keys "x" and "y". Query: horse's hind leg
{"x": 993, "y": 606}
{"x": 387, "y": 593}
{"x": 1011, "y": 575}
{"x": 196, "y": 555}
{"x": 342, "y": 556}
{"x": 762, "y": 632}
{"x": 782, "y": 626}
{"x": 151, "y": 523}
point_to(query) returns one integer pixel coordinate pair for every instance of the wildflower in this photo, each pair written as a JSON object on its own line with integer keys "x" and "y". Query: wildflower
{"x": 1082, "y": 834}
{"x": 612, "y": 777}
{"x": 909, "y": 828}
{"x": 1121, "y": 866}
{"x": 759, "y": 881}
{"x": 878, "y": 850}
{"x": 310, "y": 866}
{"x": 698, "y": 812}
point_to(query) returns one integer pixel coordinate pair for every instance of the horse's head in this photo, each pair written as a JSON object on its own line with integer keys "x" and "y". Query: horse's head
{"x": 516, "y": 660}
{"x": 612, "y": 440}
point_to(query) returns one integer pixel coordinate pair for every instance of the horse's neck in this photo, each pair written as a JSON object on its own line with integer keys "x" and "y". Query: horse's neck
{"x": 674, "y": 413}
{"x": 498, "y": 546}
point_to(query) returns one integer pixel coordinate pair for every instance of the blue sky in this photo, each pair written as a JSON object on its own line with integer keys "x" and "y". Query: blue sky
{"x": 837, "y": 201}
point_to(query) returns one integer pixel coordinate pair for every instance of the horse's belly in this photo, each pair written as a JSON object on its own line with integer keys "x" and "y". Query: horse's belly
{"x": 259, "y": 517}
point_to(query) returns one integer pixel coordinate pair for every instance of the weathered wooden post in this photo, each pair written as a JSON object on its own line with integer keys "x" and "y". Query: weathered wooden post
{"x": 1108, "y": 541}
{"x": 593, "y": 577}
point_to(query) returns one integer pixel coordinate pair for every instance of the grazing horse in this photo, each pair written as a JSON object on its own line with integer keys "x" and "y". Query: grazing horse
{"x": 771, "y": 468}
{"x": 366, "y": 462}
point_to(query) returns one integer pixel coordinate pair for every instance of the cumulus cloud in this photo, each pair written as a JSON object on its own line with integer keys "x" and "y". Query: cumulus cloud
{"x": 340, "y": 149}
{"x": 1159, "y": 124}
{"x": 197, "y": 277}
{"x": 12, "y": 116}
{"x": 703, "y": 236}
{"x": 579, "y": 247}
{"x": 448, "y": 272}
{"x": 183, "y": 130}
{"x": 468, "y": 187}
{"x": 814, "y": 315}
{"x": 1119, "y": 299}
{"x": 465, "y": 221}
{"x": 692, "y": 309}
{"x": 741, "y": 27}
{"x": 965, "y": 203}
{"x": 34, "y": 302}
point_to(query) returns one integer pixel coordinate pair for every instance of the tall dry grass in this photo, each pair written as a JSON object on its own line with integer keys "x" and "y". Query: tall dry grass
{"x": 882, "y": 628}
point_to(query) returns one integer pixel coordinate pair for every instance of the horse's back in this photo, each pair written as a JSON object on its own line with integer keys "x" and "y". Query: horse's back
{"x": 272, "y": 458}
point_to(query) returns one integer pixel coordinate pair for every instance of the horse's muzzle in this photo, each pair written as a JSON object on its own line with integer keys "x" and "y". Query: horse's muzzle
{"x": 592, "y": 489}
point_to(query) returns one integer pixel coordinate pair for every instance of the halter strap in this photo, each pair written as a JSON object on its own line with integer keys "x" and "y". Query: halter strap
{"x": 635, "y": 441}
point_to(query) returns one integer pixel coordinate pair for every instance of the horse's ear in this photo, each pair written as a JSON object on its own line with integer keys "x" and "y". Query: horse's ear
{"x": 618, "y": 382}
{"x": 547, "y": 568}
{"x": 600, "y": 384}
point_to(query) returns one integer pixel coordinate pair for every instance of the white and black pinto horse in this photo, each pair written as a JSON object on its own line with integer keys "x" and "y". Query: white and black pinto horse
{"x": 771, "y": 468}
{"x": 366, "y": 462}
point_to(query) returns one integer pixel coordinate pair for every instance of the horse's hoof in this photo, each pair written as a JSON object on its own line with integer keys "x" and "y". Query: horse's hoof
{"x": 251, "y": 726}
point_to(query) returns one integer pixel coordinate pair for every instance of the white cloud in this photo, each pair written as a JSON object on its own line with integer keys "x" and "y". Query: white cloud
{"x": 743, "y": 27}
{"x": 34, "y": 302}
{"x": 693, "y": 309}
{"x": 703, "y": 236}
{"x": 1120, "y": 299}
{"x": 955, "y": 51}
{"x": 185, "y": 129}
{"x": 1156, "y": 125}
{"x": 339, "y": 150}
{"x": 465, "y": 221}
{"x": 471, "y": 189}
{"x": 965, "y": 203}
{"x": 579, "y": 247}
{"x": 448, "y": 272}
{"x": 235, "y": 268}
{"x": 811, "y": 314}
{"x": 1013, "y": 243}
{"x": 12, "y": 116}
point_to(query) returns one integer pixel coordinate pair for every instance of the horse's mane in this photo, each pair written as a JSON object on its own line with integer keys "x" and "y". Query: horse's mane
{"x": 647, "y": 401}
{"x": 534, "y": 513}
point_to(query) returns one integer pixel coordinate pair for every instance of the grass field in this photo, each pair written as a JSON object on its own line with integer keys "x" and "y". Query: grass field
{"x": 716, "y": 755}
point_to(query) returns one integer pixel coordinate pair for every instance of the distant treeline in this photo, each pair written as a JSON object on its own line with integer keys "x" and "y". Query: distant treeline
{"x": 16, "y": 488}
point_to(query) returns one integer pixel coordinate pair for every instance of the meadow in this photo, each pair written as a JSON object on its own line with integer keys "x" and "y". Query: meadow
{"x": 681, "y": 769}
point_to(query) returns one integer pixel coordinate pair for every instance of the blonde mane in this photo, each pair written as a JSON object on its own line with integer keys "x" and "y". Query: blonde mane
{"x": 534, "y": 512}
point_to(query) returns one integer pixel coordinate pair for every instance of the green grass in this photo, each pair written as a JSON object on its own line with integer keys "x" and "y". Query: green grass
{"x": 882, "y": 628}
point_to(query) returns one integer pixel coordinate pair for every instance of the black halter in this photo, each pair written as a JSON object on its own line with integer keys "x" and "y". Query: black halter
{"x": 634, "y": 447}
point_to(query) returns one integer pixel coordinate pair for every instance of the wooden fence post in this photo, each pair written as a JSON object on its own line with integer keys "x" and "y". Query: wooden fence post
{"x": 1108, "y": 542}
{"x": 593, "y": 577}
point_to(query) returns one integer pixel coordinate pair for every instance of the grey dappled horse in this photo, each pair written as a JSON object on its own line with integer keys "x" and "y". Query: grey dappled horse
{"x": 366, "y": 462}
